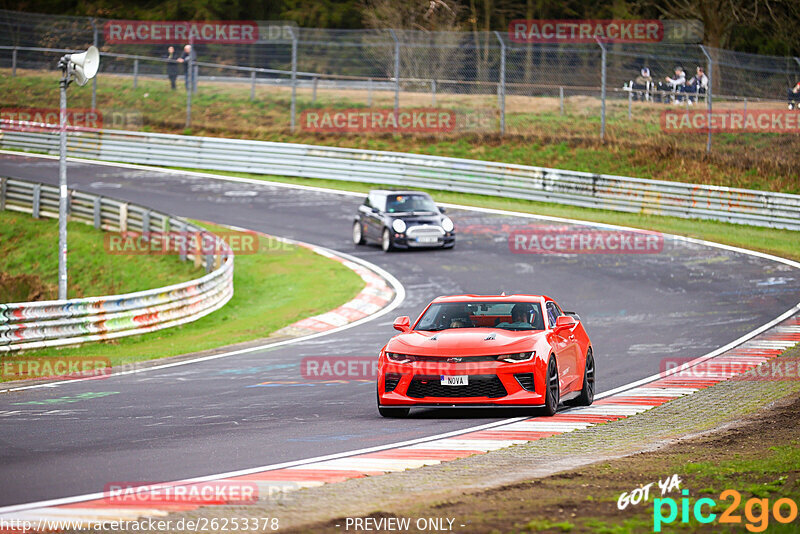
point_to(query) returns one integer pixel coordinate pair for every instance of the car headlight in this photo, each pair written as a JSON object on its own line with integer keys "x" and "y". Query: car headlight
{"x": 447, "y": 224}
{"x": 517, "y": 357}
{"x": 399, "y": 226}
{"x": 399, "y": 358}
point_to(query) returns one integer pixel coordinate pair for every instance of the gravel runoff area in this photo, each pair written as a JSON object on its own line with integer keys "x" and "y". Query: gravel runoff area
{"x": 323, "y": 508}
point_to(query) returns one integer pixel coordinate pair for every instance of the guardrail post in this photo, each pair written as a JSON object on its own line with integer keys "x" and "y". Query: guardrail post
{"x": 433, "y": 93}
{"x": 561, "y": 100}
{"x": 602, "y": 91}
{"x": 708, "y": 96}
{"x": 97, "y": 215}
{"x": 745, "y": 106}
{"x": 180, "y": 228}
{"x": 369, "y": 92}
{"x": 146, "y": 225}
{"x": 396, "y": 71}
{"x": 314, "y": 83}
{"x": 123, "y": 218}
{"x": 501, "y": 86}
{"x": 3, "y": 189}
{"x": 14, "y": 62}
{"x": 37, "y": 195}
{"x": 135, "y": 73}
{"x": 253, "y": 85}
{"x": 294, "y": 79}
{"x": 195, "y": 76}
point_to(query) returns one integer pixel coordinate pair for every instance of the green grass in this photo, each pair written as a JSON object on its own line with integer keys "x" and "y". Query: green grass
{"x": 784, "y": 243}
{"x": 537, "y": 134}
{"x": 29, "y": 262}
{"x": 273, "y": 288}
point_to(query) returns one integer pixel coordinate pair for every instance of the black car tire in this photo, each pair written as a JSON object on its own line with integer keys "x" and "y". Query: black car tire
{"x": 358, "y": 234}
{"x": 586, "y": 398}
{"x": 386, "y": 241}
{"x": 394, "y": 413}
{"x": 552, "y": 390}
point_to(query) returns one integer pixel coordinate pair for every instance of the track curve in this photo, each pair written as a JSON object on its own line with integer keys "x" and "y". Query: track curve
{"x": 223, "y": 414}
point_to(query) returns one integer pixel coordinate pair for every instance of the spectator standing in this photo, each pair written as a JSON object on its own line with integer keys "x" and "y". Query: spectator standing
{"x": 172, "y": 66}
{"x": 188, "y": 58}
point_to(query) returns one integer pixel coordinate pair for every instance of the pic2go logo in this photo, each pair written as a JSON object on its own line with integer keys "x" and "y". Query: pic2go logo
{"x": 756, "y": 511}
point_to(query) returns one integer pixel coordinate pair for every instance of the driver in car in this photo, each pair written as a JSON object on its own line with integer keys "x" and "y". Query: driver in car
{"x": 521, "y": 317}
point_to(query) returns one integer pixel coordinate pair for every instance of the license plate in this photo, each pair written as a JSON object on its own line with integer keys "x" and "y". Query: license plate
{"x": 461, "y": 380}
{"x": 427, "y": 239}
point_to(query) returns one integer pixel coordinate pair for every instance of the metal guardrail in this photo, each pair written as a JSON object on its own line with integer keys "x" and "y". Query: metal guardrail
{"x": 601, "y": 191}
{"x": 32, "y": 325}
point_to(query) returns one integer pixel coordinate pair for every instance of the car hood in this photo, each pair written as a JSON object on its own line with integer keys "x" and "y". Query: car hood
{"x": 418, "y": 219}
{"x": 464, "y": 342}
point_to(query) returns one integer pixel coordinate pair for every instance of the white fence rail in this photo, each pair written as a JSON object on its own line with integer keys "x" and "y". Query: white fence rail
{"x": 618, "y": 193}
{"x": 32, "y": 325}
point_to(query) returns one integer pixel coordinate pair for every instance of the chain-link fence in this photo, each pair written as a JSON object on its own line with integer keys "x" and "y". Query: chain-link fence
{"x": 289, "y": 84}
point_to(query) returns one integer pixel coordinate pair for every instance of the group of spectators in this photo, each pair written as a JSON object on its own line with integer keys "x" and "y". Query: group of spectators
{"x": 176, "y": 60}
{"x": 674, "y": 88}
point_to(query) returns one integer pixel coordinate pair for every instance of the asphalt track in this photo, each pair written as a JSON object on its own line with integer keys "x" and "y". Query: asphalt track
{"x": 234, "y": 412}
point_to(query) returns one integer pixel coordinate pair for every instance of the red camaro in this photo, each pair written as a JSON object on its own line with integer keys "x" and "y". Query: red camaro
{"x": 472, "y": 350}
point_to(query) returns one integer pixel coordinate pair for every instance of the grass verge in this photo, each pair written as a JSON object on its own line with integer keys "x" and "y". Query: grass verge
{"x": 273, "y": 288}
{"x": 784, "y": 243}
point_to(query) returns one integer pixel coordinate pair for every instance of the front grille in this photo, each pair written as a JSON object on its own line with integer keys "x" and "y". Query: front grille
{"x": 478, "y": 386}
{"x": 424, "y": 231}
{"x": 390, "y": 381}
{"x": 525, "y": 380}
{"x": 445, "y": 359}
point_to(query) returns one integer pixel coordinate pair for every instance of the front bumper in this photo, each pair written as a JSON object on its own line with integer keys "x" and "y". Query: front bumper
{"x": 489, "y": 384}
{"x": 403, "y": 240}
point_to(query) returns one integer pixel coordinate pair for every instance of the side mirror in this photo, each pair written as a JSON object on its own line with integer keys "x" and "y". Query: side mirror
{"x": 565, "y": 321}
{"x": 402, "y": 324}
{"x": 375, "y": 210}
{"x": 441, "y": 209}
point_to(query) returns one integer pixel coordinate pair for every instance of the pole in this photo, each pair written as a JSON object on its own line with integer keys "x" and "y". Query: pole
{"x": 433, "y": 93}
{"x": 294, "y": 79}
{"x": 314, "y": 83}
{"x": 630, "y": 103}
{"x": 253, "y": 85}
{"x": 94, "y": 80}
{"x": 369, "y": 92}
{"x": 602, "y": 92}
{"x": 135, "y": 73}
{"x": 502, "y": 84}
{"x": 62, "y": 185}
{"x": 195, "y": 75}
{"x": 396, "y": 72}
{"x": 561, "y": 100}
{"x": 708, "y": 96}
{"x": 14, "y": 62}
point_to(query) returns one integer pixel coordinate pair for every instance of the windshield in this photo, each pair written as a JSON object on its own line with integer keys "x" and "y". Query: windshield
{"x": 502, "y": 315}
{"x": 409, "y": 203}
